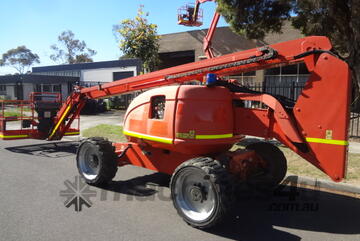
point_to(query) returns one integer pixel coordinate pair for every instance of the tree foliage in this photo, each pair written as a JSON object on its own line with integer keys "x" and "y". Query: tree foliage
{"x": 337, "y": 19}
{"x": 139, "y": 39}
{"x": 20, "y": 58}
{"x": 71, "y": 50}
{"x": 255, "y": 18}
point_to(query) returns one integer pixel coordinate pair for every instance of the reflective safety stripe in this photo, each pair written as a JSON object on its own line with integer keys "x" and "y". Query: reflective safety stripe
{"x": 148, "y": 137}
{"x": 10, "y": 137}
{"x": 223, "y": 136}
{"x": 71, "y": 133}
{"x": 61, "y": 120}
{"x": 326, "y": 141}
{"x": 170, "y": 141}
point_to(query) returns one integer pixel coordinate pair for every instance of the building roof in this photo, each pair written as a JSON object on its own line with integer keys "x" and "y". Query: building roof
{"x": 225, "y": 41}
{"x": 288, "y": 33}
{"x": 93, "y": 65}
{"x": 32, "y": 78}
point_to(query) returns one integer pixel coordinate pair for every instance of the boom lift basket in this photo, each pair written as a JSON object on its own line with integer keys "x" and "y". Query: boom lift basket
{"x": 23, "y": 119}
{"x": 186, "y": 16}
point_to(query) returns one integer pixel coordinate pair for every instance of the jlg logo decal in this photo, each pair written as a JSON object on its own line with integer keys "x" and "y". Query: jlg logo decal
{"x": 190, "y": 135}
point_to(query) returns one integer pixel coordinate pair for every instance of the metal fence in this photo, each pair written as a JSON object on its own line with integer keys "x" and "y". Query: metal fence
{"x": 289, "y": 89}
{"x": 355, "y": 125}
{"x": 292, "y": 90}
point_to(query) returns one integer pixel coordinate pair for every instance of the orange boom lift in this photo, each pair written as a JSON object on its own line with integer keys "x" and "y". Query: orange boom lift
{"x": 187, "y": 130}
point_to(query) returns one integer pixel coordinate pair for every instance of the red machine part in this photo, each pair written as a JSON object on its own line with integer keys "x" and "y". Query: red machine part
{"x": 13, "y": 112}
{"x": 20, "y": 119}
{"x": 230, "y": 64}
{"x": 193, "y": 17}
{"x": 186, "y": 16}
{"x": 68, "y": 112}
{"x": 187, "y": 130}
{"x": 323, "y": 143}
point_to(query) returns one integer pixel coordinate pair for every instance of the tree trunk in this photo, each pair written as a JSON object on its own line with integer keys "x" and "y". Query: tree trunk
{"x": 354, "y": 63}
{"x": 356, "y": 87}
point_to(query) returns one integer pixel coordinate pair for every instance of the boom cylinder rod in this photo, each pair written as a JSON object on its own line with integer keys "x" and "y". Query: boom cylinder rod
{"x": 224, "y": 65}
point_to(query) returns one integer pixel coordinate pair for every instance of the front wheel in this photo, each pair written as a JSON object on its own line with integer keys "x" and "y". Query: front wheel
{"x": 201, "y": 191}
{"x": 96, "y": 161}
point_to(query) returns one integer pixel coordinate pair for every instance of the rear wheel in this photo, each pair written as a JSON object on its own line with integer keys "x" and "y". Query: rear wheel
{"x": 275, "y": 166}
{"x": 96, "y": 161}
{"x": 201, "y": 190}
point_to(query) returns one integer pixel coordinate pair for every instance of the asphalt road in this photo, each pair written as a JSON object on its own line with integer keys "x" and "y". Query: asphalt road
{"x": 136, "y": 205}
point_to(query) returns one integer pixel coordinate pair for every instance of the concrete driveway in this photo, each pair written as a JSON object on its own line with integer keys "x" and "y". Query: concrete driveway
{"x": 136, "y": 206}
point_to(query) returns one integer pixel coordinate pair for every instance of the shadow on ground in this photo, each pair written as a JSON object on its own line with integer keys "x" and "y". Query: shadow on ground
{"x": 254, "y": 218}
{"x": 142, "y": 186}
{"x": 249, "y": 140}
{"x": 49, "y": 150}
{"x": 258, "y": 216}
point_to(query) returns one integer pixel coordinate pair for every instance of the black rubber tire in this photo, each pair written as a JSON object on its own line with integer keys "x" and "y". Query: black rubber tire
{"x": 276, "y": 165}
{"x": 221, "y": 181}
{"x": 104, "y": 151}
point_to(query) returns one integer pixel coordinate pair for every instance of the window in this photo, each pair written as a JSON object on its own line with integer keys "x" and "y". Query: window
{"x": 157, "y": 107}
{"x": 122, "y": 75}
{"x": 46, "y": 88}
{"x": 38, "y": 88}
{"x": 273, "y": 71}
{"x": 251, "y": 73}
{"x": 290, "y": 69}
{"x": 2, "y": 89}
{"x": 303, "y": 69}
{"x": 57, "y": 88}
{"x": 295, "y": 69}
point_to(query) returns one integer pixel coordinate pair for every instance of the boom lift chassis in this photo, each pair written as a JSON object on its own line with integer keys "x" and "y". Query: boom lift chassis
{"x": 187, "y": 131}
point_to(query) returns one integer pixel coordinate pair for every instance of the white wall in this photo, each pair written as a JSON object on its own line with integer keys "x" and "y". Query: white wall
{"x": 10, "y": 91}
{"x": 64, "y": 91}
{"x": 103, "y": 75}
{"x": 28, "y": 88}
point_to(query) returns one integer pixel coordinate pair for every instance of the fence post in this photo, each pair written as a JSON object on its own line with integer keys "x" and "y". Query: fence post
{"x": 292, "y": 91}
{"x": 264, "y": 86}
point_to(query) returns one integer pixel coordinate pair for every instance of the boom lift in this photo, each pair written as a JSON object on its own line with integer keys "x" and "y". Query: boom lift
{"x": 191, "y": 15}
{"x": 187, "y": 130}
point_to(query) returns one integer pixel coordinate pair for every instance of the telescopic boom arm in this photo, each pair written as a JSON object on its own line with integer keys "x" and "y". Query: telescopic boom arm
{"x": 250, "y": 60}
{"x": 193, "y": 21}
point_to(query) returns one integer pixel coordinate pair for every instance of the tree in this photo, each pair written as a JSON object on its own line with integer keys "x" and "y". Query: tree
{"x": 20, "y": 58}
{"x": 339, "y": 20}
{"x": 139, "y": 39}
{"x": 71, "y": 50}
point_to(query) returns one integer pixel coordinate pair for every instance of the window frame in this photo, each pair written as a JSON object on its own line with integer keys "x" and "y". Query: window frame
{"x": 152, "y": 106}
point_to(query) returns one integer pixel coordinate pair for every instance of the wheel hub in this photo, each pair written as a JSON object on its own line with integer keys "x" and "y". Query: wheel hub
{"x": 196, "y": 194}
{"x": 93, "y": 162}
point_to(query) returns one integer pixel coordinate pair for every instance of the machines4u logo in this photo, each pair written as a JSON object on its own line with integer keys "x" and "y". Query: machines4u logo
{"x": 78, "y": 193}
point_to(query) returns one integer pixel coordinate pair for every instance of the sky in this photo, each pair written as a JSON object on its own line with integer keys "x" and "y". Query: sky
{"x": 37, "y": 23}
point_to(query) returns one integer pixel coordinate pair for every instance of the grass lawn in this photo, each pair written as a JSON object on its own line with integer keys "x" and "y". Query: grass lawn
{"x": 296, "y": 164}
{"x": 112, "y": 132}
{"x": 12, "y": 114}
{"x": 16, "y": 112}
{"x": 299, "y": 166}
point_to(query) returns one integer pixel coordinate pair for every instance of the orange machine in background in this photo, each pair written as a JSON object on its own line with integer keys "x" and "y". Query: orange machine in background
{"x": 33, "y": 118}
